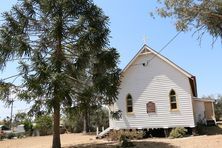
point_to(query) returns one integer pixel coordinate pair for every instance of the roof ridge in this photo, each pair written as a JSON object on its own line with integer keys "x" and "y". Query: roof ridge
{"x": 160, "y": 56}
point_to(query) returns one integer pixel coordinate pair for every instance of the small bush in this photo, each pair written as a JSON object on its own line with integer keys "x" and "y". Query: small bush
{"x": 20, "y": 135}
{"x": 178, "y": 132}
{"x": 10, "y": 135}
{"x": 125, "y": 142}
{"x": 44, "y": 125}
{"x": 2, "y": 136}
{"x": 28, "y": 126}
{"x": 118, "y": 135}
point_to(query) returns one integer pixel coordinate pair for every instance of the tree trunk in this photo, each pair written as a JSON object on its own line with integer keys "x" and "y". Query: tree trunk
{"x": 85, "y": 122}
{"x": 88, "y": 121}
{"x": 56, "y": 133}
{"x": 84, "y": 125}
{"x": 57, "y": 96}
{"x": 11, "y": 127}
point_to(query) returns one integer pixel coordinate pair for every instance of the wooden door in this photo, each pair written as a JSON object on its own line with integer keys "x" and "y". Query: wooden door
{"x": 208, "y": 110}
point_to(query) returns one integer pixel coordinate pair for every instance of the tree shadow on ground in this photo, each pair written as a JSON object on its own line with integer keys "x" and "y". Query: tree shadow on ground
{"x": 210, "y": 130}
{"x": 213, "y": 130}
{"x": 138, "y": 144}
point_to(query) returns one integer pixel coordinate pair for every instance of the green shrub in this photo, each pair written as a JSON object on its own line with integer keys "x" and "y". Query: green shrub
{"x": 2, "y": 136}
{"x": 44, "y": 125}
{"x": 218, "y": 107}
{"x": 125, "y": 142}
{"x": 10, "y": 135}
{"x": 28, "y": 125}
{"x": 121, "y": 134}
{"x": 178, "y": 132}
{"x": 20, "y": 135}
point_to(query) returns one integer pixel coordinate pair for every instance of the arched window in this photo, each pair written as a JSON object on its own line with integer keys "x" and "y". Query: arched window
{"x": 129, "y": 104}
{"x": 173, "y": 100}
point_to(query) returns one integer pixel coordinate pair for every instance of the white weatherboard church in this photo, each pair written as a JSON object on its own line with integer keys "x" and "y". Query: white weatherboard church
{"x": 156, "y": 93}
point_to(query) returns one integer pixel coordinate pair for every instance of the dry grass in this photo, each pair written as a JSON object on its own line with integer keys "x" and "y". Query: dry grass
{"x": 46, "y": 141}
{"x": 83, "y": 141}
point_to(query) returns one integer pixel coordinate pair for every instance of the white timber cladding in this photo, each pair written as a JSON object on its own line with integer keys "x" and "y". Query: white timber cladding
{"x": 153, "y": 82}
{"x": 199, "y": 109}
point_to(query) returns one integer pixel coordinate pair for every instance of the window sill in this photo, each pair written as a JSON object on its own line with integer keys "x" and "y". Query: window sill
{"x": 130, "y": 113}
{"x": 174, "y": 110}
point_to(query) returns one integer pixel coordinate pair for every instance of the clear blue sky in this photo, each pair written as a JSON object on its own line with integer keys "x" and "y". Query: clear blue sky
{"x": 130, "y": 22}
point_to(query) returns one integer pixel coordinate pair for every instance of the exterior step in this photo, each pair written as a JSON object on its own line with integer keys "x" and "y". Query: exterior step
{"x": 103, "y": 133}
{"x": 211, "y": 123}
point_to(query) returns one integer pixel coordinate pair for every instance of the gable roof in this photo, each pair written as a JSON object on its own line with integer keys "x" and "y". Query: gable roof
{"x": 146, "y": 50}
{"x": 204, "y": 100}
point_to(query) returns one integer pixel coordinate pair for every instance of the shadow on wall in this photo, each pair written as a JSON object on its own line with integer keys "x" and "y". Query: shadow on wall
{"x": 138, "y": 144}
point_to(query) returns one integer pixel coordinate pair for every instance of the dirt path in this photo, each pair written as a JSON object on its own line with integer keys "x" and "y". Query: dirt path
{"x": 80, "y": 140}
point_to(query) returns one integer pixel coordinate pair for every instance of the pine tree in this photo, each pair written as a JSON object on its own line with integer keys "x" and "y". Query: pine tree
{"x": 54, "y": 42}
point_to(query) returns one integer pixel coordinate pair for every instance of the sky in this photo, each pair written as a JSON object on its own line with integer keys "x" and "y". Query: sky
{"x": 130, "y": 24}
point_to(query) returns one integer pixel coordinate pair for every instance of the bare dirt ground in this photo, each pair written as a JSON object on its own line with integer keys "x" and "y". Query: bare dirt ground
{"x": 46, "y": 141}
{"x": 80, "y": 140}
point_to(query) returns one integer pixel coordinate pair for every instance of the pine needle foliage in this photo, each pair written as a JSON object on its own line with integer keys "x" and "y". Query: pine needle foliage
{"x": 59, "y": 44}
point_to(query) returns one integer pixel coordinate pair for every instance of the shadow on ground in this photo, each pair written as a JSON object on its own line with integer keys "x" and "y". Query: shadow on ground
{"x": 138, "y": 144}
{"x": 212, "y": 130}
{"x": 215, "y": 130}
